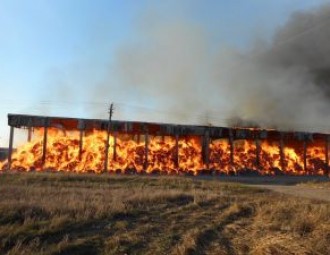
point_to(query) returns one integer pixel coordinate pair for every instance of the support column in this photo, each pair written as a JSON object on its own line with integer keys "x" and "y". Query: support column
{"x": 10, "y": 149}
{"x": 176, "y": 159}
{"x": 282, "y": 156}
{"x": 115, "y": 146}
{"x": 29, "y": 134}
{"x": 258, "y": 149}
{"x": 109, "y": 127}
{"x": 326, "y": 154}
{"x": 81, "y": 142}
{"x": 305, "y": 154}
{"x": 44, "y": 145}
{"x": 146, "y": 150}
{"x": 206, "y": 149}
{"x": 107, "y": 145}
{"x": 231, "y": 148}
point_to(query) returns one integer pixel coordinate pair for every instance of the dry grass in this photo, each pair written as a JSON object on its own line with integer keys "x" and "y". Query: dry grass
{"x": 43, "y": 213}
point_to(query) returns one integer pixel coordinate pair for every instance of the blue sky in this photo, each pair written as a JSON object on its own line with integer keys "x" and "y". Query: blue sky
{"x": 54, "y": 52}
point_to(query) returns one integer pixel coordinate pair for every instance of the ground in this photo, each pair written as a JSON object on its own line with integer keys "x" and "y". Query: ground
{"x": 307, "y": 191}
{"x": 58, "y": 213}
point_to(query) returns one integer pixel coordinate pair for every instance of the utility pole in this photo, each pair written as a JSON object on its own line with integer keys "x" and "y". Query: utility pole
{"x": 111, "y": 108}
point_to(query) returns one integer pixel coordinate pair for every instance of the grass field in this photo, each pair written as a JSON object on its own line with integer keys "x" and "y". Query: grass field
{"x": 47, "y": 213}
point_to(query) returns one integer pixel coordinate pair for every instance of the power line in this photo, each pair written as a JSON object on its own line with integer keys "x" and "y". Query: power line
{"x": 199, "y": 119}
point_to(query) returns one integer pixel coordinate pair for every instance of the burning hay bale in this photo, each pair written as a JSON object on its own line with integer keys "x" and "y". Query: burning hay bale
{"x": 135, "y": 147}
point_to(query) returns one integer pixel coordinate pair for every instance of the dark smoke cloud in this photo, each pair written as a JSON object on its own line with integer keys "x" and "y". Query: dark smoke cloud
{"x": 304, "y": 43}
{"x": 288, "y": 81}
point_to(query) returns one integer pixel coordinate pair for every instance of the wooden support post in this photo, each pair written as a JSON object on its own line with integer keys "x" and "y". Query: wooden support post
{"x": 138, "y": 138}
{"x": 81, "y": 142}
{"x": 146, "y": 150}
{"x": 326, "y": 154}
{"x": 44, "y": 145}
{"x": 231, "y": 148}
{"x": 176, "y": 162}
{"x": 115, "y": 146}
{"x": 282, "y": 156}
{"x": 29, "y": 134}
{"x": 305, "y": 154}
{"x": 10, "y": 150}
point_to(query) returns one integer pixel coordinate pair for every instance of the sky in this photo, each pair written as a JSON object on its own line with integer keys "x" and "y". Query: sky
{"x": 56, "y": 56}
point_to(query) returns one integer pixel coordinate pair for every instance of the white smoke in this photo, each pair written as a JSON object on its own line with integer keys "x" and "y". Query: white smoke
{"x": 282, "y": 84}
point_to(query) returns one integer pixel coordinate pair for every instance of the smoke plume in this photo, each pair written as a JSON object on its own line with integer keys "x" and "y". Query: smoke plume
{"x": 283, "y": 84}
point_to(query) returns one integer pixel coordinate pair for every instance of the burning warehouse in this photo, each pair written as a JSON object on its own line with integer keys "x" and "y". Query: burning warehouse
{"x": 80, "y": 145}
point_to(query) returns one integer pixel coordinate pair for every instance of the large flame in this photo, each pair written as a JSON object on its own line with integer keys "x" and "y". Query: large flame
{"x": 129, "y": 154}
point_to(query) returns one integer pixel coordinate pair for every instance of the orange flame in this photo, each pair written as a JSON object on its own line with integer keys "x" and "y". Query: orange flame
{"x": 162, "y": 155}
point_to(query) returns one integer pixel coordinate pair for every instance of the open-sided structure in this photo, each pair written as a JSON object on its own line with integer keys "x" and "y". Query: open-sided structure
{"x": 72, "y": 144}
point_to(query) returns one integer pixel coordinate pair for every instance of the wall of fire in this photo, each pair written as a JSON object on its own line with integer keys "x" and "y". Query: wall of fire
{"x": 81, "y": 145}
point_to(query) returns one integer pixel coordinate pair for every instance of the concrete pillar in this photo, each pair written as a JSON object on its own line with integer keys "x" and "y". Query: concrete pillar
{"x": 258, "y": 150}
{"x": 282, "y": 156}
{"x": 44, "y": 145}
{"x": 231, "y": 148}
{"x": 81, "y": 142}
{"x": 305, "y": 154}
{"x": 115, "y": 134}
{"x": 29, "y": 134}
{"x": 176, "y": 159}
{"x": 106, "y": 153}
{"x": 326, "y": 154}
{"x": 146, "y": 150}
{"x": 10, "y": 148}
{"x": 206, "y": 149}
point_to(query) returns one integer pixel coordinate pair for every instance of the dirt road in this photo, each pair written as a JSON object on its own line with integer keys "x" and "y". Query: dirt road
{"x": 313, "y": 187}
{"x": 319, "y": 193}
